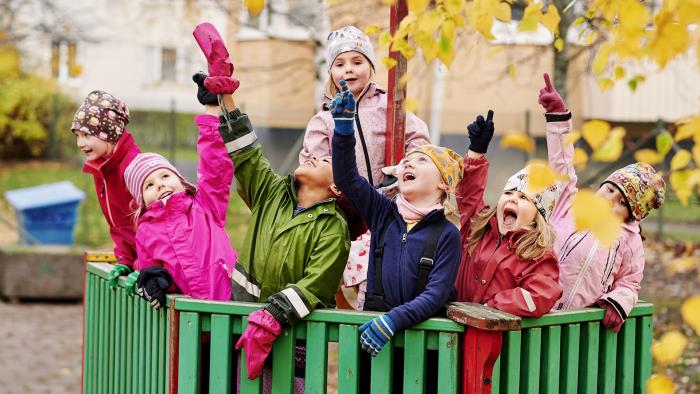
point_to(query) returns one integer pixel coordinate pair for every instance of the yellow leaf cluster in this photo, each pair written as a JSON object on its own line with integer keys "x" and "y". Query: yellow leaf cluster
{"x": 660, "y": 384}
{"x": 648, "y": 156}
{"x": 594, "y": 214}
{"x": 669, "y": 348}
{"x": 690, "y": 310}
{"x": 254, "y": 7}
{"x": 517, "y": 140}
{"x": 541, "y": 176}
{"x": 683, "y": 182}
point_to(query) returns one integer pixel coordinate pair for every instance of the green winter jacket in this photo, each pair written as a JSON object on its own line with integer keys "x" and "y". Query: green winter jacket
{"x": 293, "y": 261}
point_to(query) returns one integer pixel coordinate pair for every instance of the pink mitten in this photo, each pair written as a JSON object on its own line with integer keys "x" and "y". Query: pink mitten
{"x": 211, "y": 43}
{"x": 257, "y": 340}
{"x": 221, "y": 85}
{"x": 550, "y": 99}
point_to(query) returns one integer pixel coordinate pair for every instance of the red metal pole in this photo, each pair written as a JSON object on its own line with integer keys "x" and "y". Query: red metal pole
{"x": 395, "y": 112}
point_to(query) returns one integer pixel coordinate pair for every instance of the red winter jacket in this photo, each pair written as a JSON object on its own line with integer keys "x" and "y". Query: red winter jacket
{"x": 493, "y": 274}
{"x": 115, "y": 199}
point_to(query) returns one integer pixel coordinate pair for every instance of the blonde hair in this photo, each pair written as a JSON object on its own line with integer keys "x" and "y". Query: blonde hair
{"x": 530, "y": 246}
{"x": 332, "y": 90}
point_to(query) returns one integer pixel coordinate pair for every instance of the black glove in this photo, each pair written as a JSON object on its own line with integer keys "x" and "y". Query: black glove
{"x": 480, "y": 133}
{"x": 203, "y": 95}
{"x": 152, "y": 284}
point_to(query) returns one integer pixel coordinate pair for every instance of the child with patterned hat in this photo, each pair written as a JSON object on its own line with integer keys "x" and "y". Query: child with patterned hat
{"x": 99, "y": 126}
{"x": 590, "y": 273}
{"x": 415, "y": 248}
{"x": 507, "y": 261}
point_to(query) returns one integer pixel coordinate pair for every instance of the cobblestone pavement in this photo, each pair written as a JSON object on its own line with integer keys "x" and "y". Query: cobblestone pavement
{"x": 40, "y": 347}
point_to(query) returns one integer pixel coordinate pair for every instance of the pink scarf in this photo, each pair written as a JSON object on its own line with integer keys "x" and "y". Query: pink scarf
{"x": 410, "y": 212}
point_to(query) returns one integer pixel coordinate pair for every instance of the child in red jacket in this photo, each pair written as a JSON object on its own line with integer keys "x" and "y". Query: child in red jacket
{"x": 99, "y": 127}
{"x": 507, "y": 258}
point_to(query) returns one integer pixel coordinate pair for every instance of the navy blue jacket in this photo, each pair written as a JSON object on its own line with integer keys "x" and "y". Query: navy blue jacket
{"x": 402, "y": 249}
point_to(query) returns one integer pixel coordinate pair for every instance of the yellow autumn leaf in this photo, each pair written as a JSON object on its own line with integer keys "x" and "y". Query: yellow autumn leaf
{"x": 605, "y": 84}
{"x": 411, "y": 105}
{"x": 559, "y": 44}
{"x": 689, "y": 128}
{"x": 502, "y": 11}
{"x": 517, "y": 140}
{"x": 682, "y": 265}
{"x": 594, "y": 214}
{"x": 551, "y": 19}
{"x": 680, "y": 160}
{"x": 371, "y": 30}
{"x": 600, "y": 62}
{"x": 660, "y": 384}
{"x": 428, "y": 46}
{"x": 446, "y": 52}
{"x": 668, "y": 39}
{"x": 541, "y": 176}
{"x": 448, "y": 28}
{"x": 648, "y": 156}
{"x": 428, "y": 22}
{"x": 417, "y": 6}
{"x": 696, "y": 154}
{"x": 385, "y": 39}
{"x": 453, "y": 6}
{"x": 580, "y": 159}
{"x": 531, "y": 17}
{"x": 595, "y": 132}
{"x": 669, "y": 348}
{"x": 572, "y": 138}
{"x": 404, "y": 47}
{"x": 619, "y": 72}
{"x": 512, "y": 71}
{"x": 254, "y": 7}
{"x": 682, "y": 183}
{"x": 389, "y": 63}
{"x": 664, "y": 143}
{"x": 690, "y": 310}
{"x": 612, "y": 148}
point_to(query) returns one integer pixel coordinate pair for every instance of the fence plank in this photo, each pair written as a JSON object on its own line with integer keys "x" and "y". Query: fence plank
{"x": 382, "y": 377}
{"x": 642, "y": 369}
{"x": 141, "y": 373}
{"x": 607, "y": 359}
{"x": 496, "y": 377}
{"x": 247, "y": 385}
{"x": 101, "y": 356}
{"x": 283, "y": 353}
{"x": 551, "y": 361}
{"x": 590, "y": 347}
{"x": 220, "y": 355}
{"x": 348, "y": 359}
{"x": 448, "y": 363}
{"x": 532, "y": 346}
{"x": 571, "y": 342}
{"x": 510, "y": 378}
{"x": 188, "y": 379}
{"x": 147, "y": 334}
{"x": 316, "y": 358}
{"x": 414, "y": 361}
{"x": 88, "y": 360}
{"x": 627, "y": 355}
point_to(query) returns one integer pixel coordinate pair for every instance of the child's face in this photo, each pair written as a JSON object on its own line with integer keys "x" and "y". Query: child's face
{"x": 354, "y": 68}
{"x": 514, "y": 211}
{"x": 160, "y": 185}
{"x": 92, "y": 147}
{"x": 619, "y": 206}
{"x": 420, "y": 179}
{"x": 316, "y": 173}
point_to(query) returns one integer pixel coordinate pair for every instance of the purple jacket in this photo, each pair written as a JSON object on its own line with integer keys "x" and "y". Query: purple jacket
{"x": 371, "y": 107}
{"x": 187, "y": 235}
{"x": 588, "y": 271}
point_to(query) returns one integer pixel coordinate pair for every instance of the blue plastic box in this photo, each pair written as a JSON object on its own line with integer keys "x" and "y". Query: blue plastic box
{"x": 47, "y": 213}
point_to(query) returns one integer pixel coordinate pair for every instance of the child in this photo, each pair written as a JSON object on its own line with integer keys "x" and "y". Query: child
{"x": 507, "y": 260}
{"x": 99, "y": 127}
{"x": 296, "y": 245}
{"x": 416, "y": 249}
{"x": 590, "y": 273}
{"x": 180, "y": 236}
{"x": 351, "y": 57}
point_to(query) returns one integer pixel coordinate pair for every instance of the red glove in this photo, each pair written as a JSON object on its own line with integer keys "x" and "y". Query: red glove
{"x": 612, "y": 318}
{"x": 550, "y": 99}
{"x": 221, "y": 85}
{"x": 257, "y": 340}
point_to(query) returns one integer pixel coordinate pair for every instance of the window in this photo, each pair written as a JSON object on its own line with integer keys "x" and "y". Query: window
{"x": 64, "y": 63}
{"x": 168, "y": 64}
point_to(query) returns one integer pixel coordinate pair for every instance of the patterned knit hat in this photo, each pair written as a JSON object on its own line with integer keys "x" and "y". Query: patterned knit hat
{"x": 544, "y": 200}
{"x": 346, "y": 39}
{"x": 447, "y": 162}
{"x": 101, "y": 115}
{"x": 643, "y": 188}
{"x": 141, "y": 167}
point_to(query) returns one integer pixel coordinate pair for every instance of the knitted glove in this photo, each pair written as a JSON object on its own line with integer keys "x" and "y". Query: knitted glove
{"x": 612, "y": 318}
{"x": 115, "y": 273}
{"x": 257, "y": 341}
{"x": 480, "y": 133}
{"x": 130, "y": 283}
{"x": 376, "y": 333}
{"x": 343, "y": 110}
{"x": 204, "y": 96}
{"x": 152, "y": 284}
{"x": 550, "y": 99}
{"x": 221, "y": 85}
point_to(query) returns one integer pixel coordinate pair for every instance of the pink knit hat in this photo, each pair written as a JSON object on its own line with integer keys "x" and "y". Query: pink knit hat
{"x": 141, "y": 167}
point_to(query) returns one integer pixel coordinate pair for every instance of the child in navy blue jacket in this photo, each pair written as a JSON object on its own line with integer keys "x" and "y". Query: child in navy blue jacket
{"x": 416, "y": 249}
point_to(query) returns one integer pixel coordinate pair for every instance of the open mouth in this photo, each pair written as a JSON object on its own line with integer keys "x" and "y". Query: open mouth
{"x": 165, "y": 195}
{"x": 87, "y": 151}
{"x": 408, "y": 176}
{"x": 509, "y": 216}
{"x": 350, "y": 79}
{"x": 310, "y": 164}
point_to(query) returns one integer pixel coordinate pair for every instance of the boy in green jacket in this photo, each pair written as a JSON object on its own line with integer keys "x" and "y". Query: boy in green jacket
{"x": 297, "y": 242}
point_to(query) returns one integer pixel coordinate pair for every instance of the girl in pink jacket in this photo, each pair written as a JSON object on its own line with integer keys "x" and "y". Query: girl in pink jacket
{"x": 590, "y": 273}
{"x": 180, "y": 234}
{"x": 350, "y": 57}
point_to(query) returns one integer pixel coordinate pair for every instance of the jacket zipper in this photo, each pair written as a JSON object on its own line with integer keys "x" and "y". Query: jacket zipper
{"x": 581, "y": 274}
{"x": 109, "y": 211}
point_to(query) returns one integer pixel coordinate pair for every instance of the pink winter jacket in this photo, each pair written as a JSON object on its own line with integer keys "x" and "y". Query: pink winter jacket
{"x": 371, "y": 108}
{"x": 588, "y": 271}
{"x": 186, "y": 235}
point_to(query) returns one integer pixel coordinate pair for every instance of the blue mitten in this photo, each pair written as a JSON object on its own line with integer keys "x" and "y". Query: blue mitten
{"x": 343, "y": 110}
{"x": 376, "y": 333}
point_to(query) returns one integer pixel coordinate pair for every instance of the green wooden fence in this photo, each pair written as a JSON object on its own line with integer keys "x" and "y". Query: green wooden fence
{"x": 129, "y": 347}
